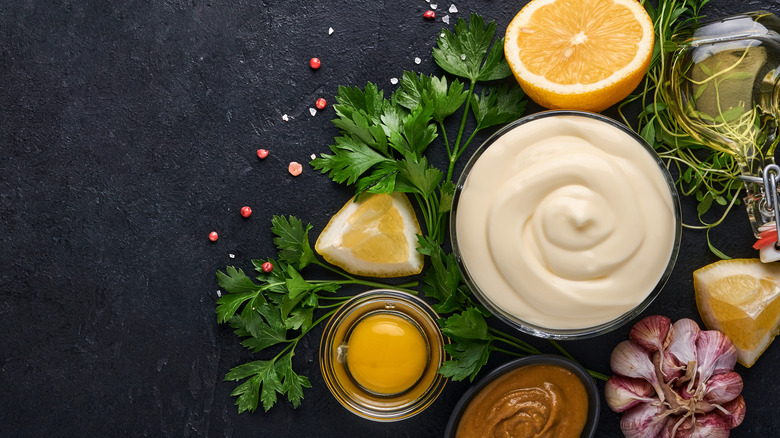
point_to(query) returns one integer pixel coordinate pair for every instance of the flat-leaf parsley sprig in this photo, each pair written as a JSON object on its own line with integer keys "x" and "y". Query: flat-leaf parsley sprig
{"x": 381, "y": 148}
{"x": 382, "y": 144}
{"x": 277, "y": 309}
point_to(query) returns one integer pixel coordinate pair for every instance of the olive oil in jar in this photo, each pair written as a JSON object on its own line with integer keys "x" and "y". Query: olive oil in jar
{"x": 722, "y": 84}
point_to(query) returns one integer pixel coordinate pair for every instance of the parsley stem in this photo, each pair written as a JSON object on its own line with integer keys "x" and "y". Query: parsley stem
{"x": 561, "y": 349}
{"x": 594, "y": 374}
{"x": 518, "y": 343}
{"x": 446, "y": 140}
{"x": 466, "y": 145}
{"x": 598, "y": 375}
{"x": 403, "y": 287}
{"x": 290, "y": 346}
{"x": 319, "y": 320}
{"x": 352, "y": 280}
{"x": 456, "y": 149}
{"x": 518, "y": 346}
{"x": 511, "y": 353}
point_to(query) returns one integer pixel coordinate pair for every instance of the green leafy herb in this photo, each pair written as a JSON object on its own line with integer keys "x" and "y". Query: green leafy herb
{"x": 276, "y": 310}
{"x": 711, "y": 176}
{"x": 380, "y": 148}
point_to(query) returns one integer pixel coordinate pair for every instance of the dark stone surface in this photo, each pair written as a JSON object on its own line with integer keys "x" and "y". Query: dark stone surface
{"x": 128, "y": 132}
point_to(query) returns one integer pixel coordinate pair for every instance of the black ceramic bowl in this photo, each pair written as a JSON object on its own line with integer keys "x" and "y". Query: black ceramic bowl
{"x": 589, "y": 431}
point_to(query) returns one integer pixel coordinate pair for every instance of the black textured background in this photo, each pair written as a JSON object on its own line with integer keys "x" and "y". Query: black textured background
{"x": 128, "y": 132}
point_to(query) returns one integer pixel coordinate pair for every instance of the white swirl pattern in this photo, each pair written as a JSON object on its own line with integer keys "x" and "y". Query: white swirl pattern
{"x": 565, "y": 222}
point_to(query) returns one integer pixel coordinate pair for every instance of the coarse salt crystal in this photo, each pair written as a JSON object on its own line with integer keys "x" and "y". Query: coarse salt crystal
{"x": 446, "y": 20}
{"x": 313, "y": 156}
{"x": 417, "y": 60}
{"x": 393, "y": 81}
{"x": 453, "y": 9}
{"x": 219, "y": 293}
{"x": 330, "y": 31}
{"x": 232, "y": 256}
{"x": 313, "y": 112}
{"x": 286, "y": 118}
{"x": 463, "y": 57}
{"x": 434, "y": 6}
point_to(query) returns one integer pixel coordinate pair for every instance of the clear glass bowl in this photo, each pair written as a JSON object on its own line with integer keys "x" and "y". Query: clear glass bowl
{"x": 348, "y": 392}
{"x": 594, "y": 403}
{"x": 537, "y": 329}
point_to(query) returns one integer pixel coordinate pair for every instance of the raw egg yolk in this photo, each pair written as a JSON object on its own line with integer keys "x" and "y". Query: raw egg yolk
{"x": 386, "y": 353}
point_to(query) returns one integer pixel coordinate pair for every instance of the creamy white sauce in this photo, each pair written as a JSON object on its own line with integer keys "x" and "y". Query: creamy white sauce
{"x": 565, "y": 222}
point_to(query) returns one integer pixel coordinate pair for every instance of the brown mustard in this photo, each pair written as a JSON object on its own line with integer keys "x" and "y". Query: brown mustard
{"x": 539, "y": 401}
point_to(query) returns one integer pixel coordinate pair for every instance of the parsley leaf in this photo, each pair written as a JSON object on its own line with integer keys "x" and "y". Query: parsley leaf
{"x": 417, "y": 90}
{"x": 416, "y": 176}
{"x": 292, "y": 240}
{"x": 235, "y": 281}
{"x": 468, "y": 357}
{"x": 464, "y": 53}
{"x": 292, "y": 383}
{"x": 442, "y": 281}
{"x": 263, "y": 383}
{"x": 469, "y": 324}
{"x": 351, "y": 159}
{"x": 502, "y": 105}
{"x": 415, "y": 133}
{"x": 471, "y": 347}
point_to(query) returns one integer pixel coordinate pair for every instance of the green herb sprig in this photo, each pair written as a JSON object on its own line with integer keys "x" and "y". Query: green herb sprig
{"x": 278, "y": 308}
{"x": 382, "y": 144}
{"x": 711, "y": 176}
{"x": 381, "y": 148}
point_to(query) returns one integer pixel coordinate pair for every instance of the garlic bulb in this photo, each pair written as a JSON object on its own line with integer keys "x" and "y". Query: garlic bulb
{"x": 675, "y": 381}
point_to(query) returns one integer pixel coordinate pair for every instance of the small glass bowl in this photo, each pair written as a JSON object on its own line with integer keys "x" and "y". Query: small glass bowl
{"x": 594, "y": 400}
{"x": 364, "y": 403}
{"x": 552, "y": 332}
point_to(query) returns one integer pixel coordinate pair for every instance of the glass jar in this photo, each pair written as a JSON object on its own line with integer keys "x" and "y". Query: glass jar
{"x": 722, "y": 84}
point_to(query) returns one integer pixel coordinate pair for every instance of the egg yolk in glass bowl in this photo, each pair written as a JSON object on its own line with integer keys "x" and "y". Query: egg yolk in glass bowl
{"x": 386, "y": 353}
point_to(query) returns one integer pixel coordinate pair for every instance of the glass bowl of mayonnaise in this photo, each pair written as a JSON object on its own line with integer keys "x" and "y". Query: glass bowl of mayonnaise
{"x": 565, "y": 224}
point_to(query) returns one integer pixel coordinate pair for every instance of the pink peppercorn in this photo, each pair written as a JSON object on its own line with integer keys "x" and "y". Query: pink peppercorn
{"x": 267, "y": 267}
{"x": 315, "y": 63}
{"x": 262, "y": 153}
{"x": 295, "y": 168}
{"x": 213, "y": 236}
{"x": 429, "y": 15}
{"x": 246, "y": 211}
{"x": 321, "y": 103}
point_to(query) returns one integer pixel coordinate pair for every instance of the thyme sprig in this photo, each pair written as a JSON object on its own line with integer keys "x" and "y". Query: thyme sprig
{"x": 710, "y": 175}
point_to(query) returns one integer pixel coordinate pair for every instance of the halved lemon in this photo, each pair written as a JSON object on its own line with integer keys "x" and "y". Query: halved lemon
{"x": 579, "y": 54}
{"x": 741, "y": 298}
{"x": 376, "y": 237}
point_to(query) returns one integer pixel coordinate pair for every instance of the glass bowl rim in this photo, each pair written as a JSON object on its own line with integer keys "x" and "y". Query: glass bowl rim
{"x": 577, "y": 333}
{"x": 438, "y": 342}
{"x": 594, "y": 398}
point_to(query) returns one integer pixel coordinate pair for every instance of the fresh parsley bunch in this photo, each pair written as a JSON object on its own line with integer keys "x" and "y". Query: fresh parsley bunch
{"x": 381, "y": 148}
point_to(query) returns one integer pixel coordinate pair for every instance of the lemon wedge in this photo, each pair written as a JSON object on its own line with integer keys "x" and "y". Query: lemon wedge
{"x": 579, "y": 54}
{"x": 375, "y": 237}
{"x": 741, "y": 298}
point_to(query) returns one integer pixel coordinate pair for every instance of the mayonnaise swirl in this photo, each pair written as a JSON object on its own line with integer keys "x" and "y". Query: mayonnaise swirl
{"x": 566, "y": 222}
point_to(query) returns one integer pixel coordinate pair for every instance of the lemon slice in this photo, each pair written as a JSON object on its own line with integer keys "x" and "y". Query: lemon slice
{"x": 376, "y": 237}
{"x": 741, "y": 298}
{"x": 579, "y": 54}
